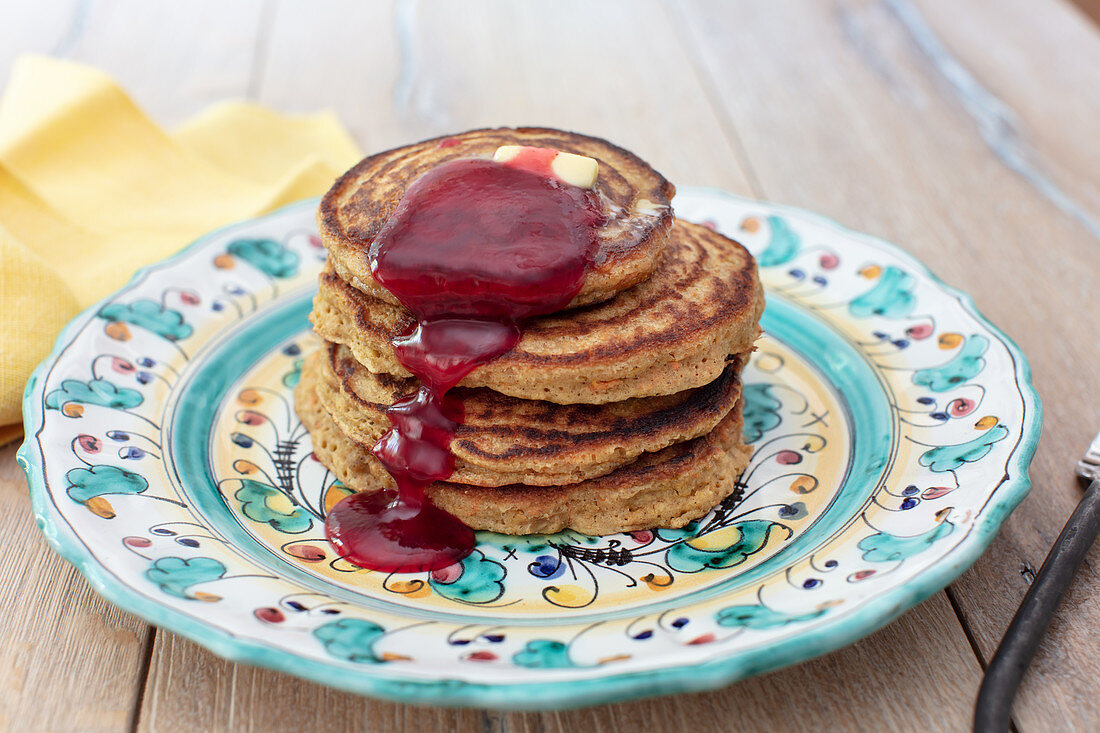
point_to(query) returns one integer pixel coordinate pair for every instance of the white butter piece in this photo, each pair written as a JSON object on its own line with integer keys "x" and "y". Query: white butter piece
{"x": 576, "y": 170}
{"x": 506, "y": 152}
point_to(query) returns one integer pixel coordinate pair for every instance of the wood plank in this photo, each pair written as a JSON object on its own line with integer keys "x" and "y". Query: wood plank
{"x": 880, "y": 674}
{"x": 192, "y": 689}
{"x": 173, "y": 60}
{"x": 1052, "y": 119}
{"x": 355, "y": 77}
{"x": 69, "y": 661}
{"x": 861, "y": 125}
{"x": 42, "y": 27}
{"x": 1090, "y": 8}
{"x": 408, "y": 71}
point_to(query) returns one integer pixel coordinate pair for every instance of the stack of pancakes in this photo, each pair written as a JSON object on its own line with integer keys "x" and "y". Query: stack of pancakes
{"x": 619, "y": 413}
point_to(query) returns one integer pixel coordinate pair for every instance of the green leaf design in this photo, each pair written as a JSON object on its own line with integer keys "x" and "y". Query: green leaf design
{"x": 149, "y": 315}
{"x": 267, "y": 255}
{"x": 952, "y": 457}
{"x": 783, "y": 244}
{"x": 93, "y": 392}
{"x": 543, "y": 654}
{"x": 760, "y": 411}
{"x": 481, "y": 581}
{"x": 891, "y": 296}
{"x": 883, "y": 547}
{"x": 966, "y": 365}
{"x": 291, "y": 378}
{"x": 350, "y": 639}
{"x": 267, "y": 505}
{"x": 760, "y": 617}
{"x": 175, "y": 575}
{"x": 87, "y": 483}
{"x": 750, "y": 538}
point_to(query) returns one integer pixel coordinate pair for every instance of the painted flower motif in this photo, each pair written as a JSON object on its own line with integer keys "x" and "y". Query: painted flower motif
{"x": 952, "y": 457}
{"x": 267, "y": 505}
{"x": 351, "y": 639}
{"x": 267, "y": 255}
{"x": 479, "y": 580}
{"x": 760, "y": 617}
{"x": 723, "y": 548}
{"x": 883, "y": 547}
{"x": 176, "y": 575}
{"x": 783, "y": 243}
{"x": 965, "y": 365}
{"x": 150, "y": 315}
{"x": 291, "y": 378}
{"x": 760, "y": 411}
{"x": 891, "y": 297}
{"x": 93, "y": 392}
{"x": 543, "y": 654}
{"x": 89, "y": 483}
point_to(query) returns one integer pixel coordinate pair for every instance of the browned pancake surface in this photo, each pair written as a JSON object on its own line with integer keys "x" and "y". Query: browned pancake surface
{"x": 634, "y": 197}
{"x": 669, "y": 333}
{"x": 668, "y": 488}
{"x": 506, "y": 440}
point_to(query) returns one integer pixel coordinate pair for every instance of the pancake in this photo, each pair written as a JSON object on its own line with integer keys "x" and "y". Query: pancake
{"x": 634, "y": 199}
{"x": 506, "y": 440}
{"x": 668, "y": 488}
{"x": 670, "y": 333}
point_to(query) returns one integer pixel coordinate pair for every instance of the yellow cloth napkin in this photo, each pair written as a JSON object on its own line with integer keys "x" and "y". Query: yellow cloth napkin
{"x": 91, "y": 190}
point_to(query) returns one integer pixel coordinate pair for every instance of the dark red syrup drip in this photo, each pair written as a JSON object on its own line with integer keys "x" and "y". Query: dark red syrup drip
{"x": 473, "y": 248}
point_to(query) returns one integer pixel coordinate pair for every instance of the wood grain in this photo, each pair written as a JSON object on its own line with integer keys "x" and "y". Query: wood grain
{"x": 191, "y": 689}
{"x": 172, "y": 60}
{"x": 69, "y": 661}
{"x": 46, "y": 28}
{"x": 881, "y": 675}
{"x": 1050, "y": 107}
{"x": 879, "y": 139}
{"x": 407, "y": 71}
{"x": 1091, "y": 8}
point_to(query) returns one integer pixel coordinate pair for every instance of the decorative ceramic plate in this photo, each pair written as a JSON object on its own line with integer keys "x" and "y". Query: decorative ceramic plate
{"x": 893, "y": 429}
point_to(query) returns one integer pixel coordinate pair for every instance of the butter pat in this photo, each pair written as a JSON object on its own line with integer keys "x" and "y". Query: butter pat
{"x": 576, "y": 170}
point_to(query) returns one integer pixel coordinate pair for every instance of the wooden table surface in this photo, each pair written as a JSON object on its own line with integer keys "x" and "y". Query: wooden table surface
{"x": 967, "y": 132}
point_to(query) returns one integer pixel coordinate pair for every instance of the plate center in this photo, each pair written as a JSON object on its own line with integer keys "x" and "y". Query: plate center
{"x": 261, "y": 462}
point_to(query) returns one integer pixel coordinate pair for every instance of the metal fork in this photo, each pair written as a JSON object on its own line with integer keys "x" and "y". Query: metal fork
{"x": 1006, "y": 669}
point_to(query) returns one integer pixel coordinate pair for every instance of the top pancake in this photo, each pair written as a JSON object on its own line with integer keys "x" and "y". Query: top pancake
{"x": 635, "y": 200}
{"x": 670, "y": 333}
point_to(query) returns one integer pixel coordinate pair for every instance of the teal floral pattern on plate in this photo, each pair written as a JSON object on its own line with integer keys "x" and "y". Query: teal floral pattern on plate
{"x": 892, "y": 425}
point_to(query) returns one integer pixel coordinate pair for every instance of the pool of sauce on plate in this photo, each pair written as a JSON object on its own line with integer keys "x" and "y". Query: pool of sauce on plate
{"x": 473, "y": 249}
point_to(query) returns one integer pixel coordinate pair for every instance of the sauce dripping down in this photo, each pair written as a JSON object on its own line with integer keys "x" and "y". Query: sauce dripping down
{"x": 473, "y": 248}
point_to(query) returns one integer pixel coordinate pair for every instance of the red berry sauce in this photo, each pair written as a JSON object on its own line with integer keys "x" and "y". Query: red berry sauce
{"x": 473, "y": 248}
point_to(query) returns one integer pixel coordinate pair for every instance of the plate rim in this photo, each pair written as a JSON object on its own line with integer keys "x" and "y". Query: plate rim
{"x": 829, "y": 636}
